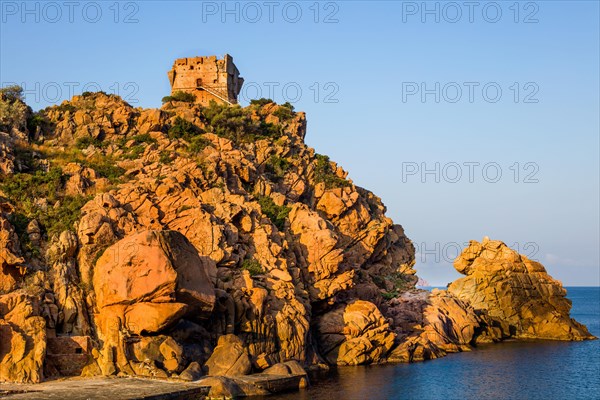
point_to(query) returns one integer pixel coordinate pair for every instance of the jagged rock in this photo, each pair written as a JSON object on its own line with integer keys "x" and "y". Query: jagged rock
{"x": 7, "y": 158}
{"x": 230, "y": 358}
{"x": 144, "y": 317}
{"x": 415, "y": 348}
{"x": 11, "y": 262}
{"x": 356, "y": 333}
{"x": 92, "y": 115}
{"x": 34, "y": 232}
{"x": 144, "y": 284}
{"x": 225, "y": 229}
{"x": 14, "y": 114}
{"x": 430, "y": 325}
{"x": 514, "y": 292}
{"x": 153, "y": 267}
{"x": 193, "y": 372}
{"x": 23, "y": 339}
{"x": 321, "y": 255}
{"x": 172, "y": 354}
{"x": 68, "y": 293}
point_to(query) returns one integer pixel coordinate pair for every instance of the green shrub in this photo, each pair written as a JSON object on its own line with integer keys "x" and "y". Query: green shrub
{"x": 23, "y": 189}
{"x": 180, "y": 96}
{"x": 277, "y": 167}
{"x": 253, "y": 267}
{"x": 34, "y": 121}
{"x": 134, "y": 152}
{"x": 25, "y": 157}
{"x": 324, "y": 173}
{"x": 236, "y": 123}
{"x": 226, "y": 121}
{"x": 106, "y": 168}
{"x": 261, "y": 102}
{"x": 144, "y": 138}
{"x": 20, "y": 222}
{"x": 165, "y": 157}
{"x": 90, "y": 94}
{"x": 266, "y": 130}
{"x": 86, "y": 141}
{"x": 277, "y": 214}
{"x": 198, "y": 143}
{"x": 66, "y": 107}
{"x": 182, "y": 129}
{"x": 137, "y": 149}
{"x": 389, "y": 295}
{"x": 13, "y": 111}
{"x": 12, "y": 93}
{"x": 393, "y": 284}
{"x": 26, "y": 186}
{"x": 63, "y": 217}
{"x": 284, "y": 112}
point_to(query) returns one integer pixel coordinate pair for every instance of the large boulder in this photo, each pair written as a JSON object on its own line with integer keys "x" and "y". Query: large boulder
{"x": 321, "y": 255}
{"x": 144, "y": 284}
{"x": 515, "y": 292}
{"x": 11, "y": 262}
{"x": 230, "y": 358}
{"x": 154, "y": 267}
{"x": 354, "y": 333}
{"x": 430, "y": 325}
{"x": 22, "y": 339}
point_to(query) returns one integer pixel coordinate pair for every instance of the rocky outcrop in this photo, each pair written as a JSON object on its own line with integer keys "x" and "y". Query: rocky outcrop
{"x": 307, "y": 259}
{"x": 22, "y": 339}
{"x": 211, "y": 240}
{"x": 504, "y": 295}
{"x": 67, "y": 295}
{"x": 355, "y": 333}
{"x": 12, "y": 264}
{"x": 431, "y": 325}
{"x": 230, "y": 358}
{"x": 143, "y": 285}
{"x": 7, "y": 157}
{"x": 514, "y": 292}
{"x": 14, "y": 116}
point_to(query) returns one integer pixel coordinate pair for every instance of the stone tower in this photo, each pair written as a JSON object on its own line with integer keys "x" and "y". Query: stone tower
{"x": 209, "y": 78}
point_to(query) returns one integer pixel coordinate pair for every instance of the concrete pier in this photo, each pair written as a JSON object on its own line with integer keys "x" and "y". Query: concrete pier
{"x": 105, "y": 388}
{"x": 151, "y": 389}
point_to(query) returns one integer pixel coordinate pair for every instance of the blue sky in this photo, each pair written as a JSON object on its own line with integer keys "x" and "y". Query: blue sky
{"x": 506, "y": 88}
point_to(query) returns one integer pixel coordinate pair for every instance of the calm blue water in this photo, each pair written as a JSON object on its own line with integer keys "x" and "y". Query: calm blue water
{"x": 533, "y": 370}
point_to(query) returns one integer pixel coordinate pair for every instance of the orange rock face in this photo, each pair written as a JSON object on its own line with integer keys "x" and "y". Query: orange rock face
{"x": 515, "y": 292}
{"x": 504, "y": 295}
{"x": 214, "y": 240}
{"x": 230, "y": 358}
{"x": 154, "y": 267}
{"x": 10, "y": 258}
{"x": 146, "y": 283}
{"x": 430, "y": 325}
{"x": 356, "y": 333}
{"x": 22, "y": 339}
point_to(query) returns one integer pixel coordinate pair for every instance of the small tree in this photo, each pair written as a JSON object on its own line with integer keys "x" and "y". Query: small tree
{"x": 261, "y": 102}
{"x": 182, "y": 129}
{"x": 13, "y": 111}
{"x": 180, "y": 96}
{"x": 12, "y": 93}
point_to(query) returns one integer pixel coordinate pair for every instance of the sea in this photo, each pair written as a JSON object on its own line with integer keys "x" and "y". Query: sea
{"x": 545, "y": 370}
